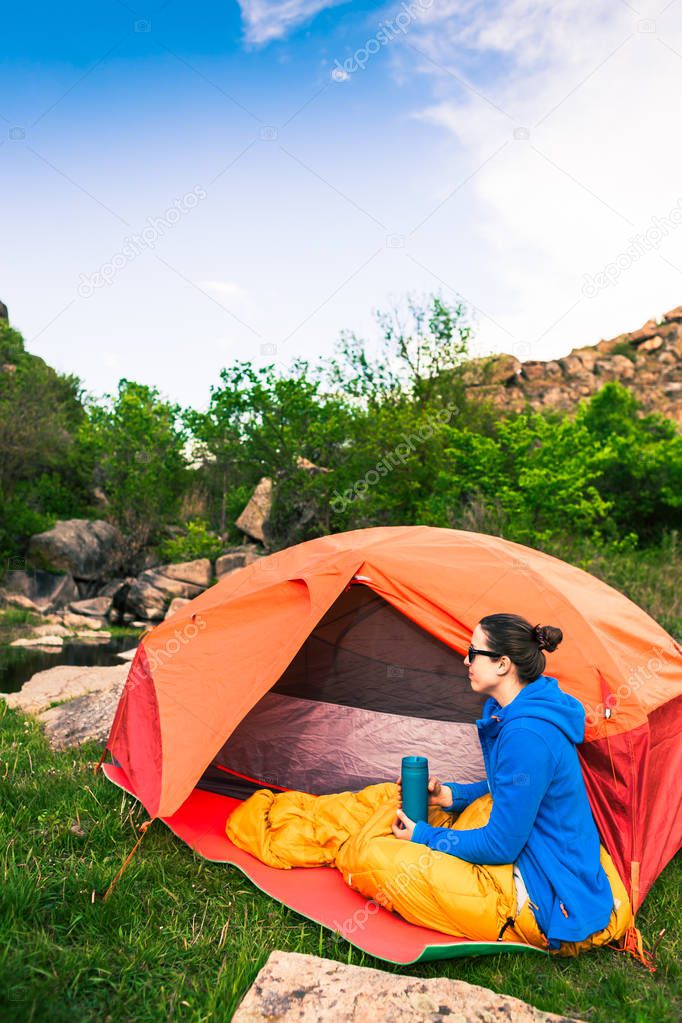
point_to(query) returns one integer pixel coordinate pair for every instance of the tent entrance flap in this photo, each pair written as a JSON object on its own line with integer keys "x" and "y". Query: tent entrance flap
{"x": 367, "y": 687}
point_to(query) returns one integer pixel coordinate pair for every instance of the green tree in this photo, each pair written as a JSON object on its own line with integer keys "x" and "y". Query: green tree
{"x": 41, "y": 476}
{"x": 136, "y": 442}
{"x": 39, "y": 412}
{"x": 639, "y": 460}
{"x": 422, "y": 346}
{"x": 259, "y": 423}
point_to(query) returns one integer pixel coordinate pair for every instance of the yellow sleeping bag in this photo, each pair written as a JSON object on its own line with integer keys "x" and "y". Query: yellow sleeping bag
{"x": 352, "y": 832}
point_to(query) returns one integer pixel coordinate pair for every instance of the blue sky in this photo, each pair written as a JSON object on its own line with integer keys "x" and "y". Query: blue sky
{"x": 245, "y": 180}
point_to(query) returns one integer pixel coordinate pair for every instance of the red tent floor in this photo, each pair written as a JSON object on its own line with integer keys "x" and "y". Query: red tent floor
{"x": 318, "y": 893}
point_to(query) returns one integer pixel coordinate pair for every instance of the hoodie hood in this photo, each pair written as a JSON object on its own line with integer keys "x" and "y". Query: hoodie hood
{"x": 541, "y": 699}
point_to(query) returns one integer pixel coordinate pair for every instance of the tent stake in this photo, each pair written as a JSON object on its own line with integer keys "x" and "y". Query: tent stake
{"x": 143, "y": 830}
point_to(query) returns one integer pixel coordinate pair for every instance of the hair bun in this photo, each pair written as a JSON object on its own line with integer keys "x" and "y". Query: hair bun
{"x": 547, "y": 637}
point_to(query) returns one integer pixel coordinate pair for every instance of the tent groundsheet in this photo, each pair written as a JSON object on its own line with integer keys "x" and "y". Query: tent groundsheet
{"x": 318, "y": 893}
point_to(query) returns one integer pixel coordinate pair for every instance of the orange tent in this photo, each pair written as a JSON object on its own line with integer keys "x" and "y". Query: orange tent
{"x": 328, "y": 644}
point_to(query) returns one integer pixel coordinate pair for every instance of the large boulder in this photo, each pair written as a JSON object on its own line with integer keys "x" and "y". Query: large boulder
{"x": 96, "y": 607}
{"x": 152, "y": 591}
{"x": 238, "y": 557}
{"x": 74, "y": 621}
{"x": 65, "y": 682}
{"x": 86, "y": 701}
{"x": 176, "y": 604}
{"x": 145, "y": 600}
{"x": 45, "y": 591}
{"x": 85, "y": 719}
{"x": 296, "y": 988}
{"x": 86, "y": 549}
{"x": 253, "y": 520}
{"x": 198, "y": 572}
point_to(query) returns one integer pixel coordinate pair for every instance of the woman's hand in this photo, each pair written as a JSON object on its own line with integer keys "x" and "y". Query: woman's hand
{"x": 439, "y": 794}
{"x": 402, "y": 826}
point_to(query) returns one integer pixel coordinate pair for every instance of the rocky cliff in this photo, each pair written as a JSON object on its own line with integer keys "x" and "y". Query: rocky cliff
{"x": 648, "y": 361}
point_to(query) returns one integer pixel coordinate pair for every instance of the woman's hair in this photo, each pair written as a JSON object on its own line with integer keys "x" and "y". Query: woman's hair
{"x": 522, "y": 642}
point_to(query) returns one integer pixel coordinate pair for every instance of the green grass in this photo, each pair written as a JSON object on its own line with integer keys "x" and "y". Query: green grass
{"x": 19, "y": 616}
{"x": 183, "y": 939}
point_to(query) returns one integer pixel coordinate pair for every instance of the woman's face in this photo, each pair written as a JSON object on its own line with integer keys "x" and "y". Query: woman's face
{"x": 484, "y": 674}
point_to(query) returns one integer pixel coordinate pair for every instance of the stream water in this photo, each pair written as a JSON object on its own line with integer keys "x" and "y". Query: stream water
{"x": 19, "y": 664}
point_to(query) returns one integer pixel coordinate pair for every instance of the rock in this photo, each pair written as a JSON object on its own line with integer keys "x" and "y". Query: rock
{"x": 43, "y": 641}
{"x": 146, "y": 600}
{"x": 587, "y": 356}
{"x": 175, "y": 605}
{"x": 501, "y": 369}
{"x": 85, "y": 549}
{"x": 51, "y": 630}
{"x": 75, "y": 621}
{"x": 574, "y": 367}
{"x": 93, "y": 637}
{"x": 645, "y": 360}
{"x": 153, "y": 590}
{"x": 648, "y": 330}
{"x": 297, "y": 988}
{"x": 253, "y": 519}
{"x": 85, "y": 719}
{"x": 111, "y": 588}
{"x": 96, "y": 607}
{"x": 534, "y": 369}
{"x": 45, "y": 590}
{"x": 555, "y": 397}
{"x": 196, "y": 572}
{"x": 234, "y": 559}
{"x": 19, "y": 601}
{"x": 652, "y": 344}
{"x": 127, "y": 655}
{"x": 616, "y": 367}
{"x": 65, "y": 682}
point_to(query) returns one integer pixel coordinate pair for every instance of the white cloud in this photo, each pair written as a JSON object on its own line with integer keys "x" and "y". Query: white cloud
{"x": 225, "y": 289}
{"x": 266, "y": 20}
{"x": 597, "y": 87}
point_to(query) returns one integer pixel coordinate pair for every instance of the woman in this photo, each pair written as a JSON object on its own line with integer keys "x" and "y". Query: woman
{"x": 528, "y": 826}
{"x": 540, "y": 821}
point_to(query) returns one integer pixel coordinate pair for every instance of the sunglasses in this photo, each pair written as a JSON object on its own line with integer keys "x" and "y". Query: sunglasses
{"x": 472, "y": 651}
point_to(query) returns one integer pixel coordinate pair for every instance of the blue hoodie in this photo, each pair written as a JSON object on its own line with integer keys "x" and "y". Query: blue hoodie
{"x": 541, "y": 818}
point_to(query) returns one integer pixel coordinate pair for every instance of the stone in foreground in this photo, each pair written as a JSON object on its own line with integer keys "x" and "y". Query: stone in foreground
{"x": 303, "y": 988}
{"x": 66, "y": 682}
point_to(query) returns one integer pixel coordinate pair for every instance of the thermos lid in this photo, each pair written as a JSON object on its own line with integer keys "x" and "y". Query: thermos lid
{"x": 415, "y": 762}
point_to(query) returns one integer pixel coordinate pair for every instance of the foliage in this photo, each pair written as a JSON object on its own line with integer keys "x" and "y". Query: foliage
{"x": 40, "y": 412}
{"x": 197, "y": 542}
{"x": 136, "y": 442}
{"x": 259, "y": 424}
{"x": 392, "y": 438}
{"x": 422, "y": 345}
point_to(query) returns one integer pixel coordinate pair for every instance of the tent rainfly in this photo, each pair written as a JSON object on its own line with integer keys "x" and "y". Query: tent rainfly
{"x": 318, "y": 667}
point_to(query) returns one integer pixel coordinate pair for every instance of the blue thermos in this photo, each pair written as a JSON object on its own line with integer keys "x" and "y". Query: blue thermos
{"x": 414, "y": 777}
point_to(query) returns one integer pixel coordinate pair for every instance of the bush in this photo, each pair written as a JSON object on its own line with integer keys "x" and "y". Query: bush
{"x": 198, "y": 542}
